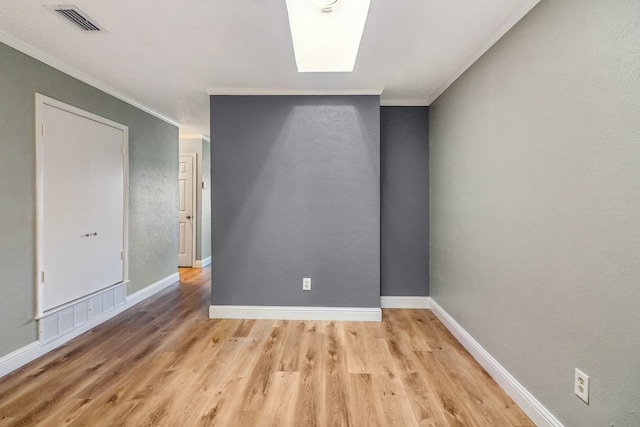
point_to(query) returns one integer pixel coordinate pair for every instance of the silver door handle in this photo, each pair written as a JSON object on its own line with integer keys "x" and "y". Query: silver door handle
{"x": 94, "y": 233}
{"x": 86, "y": 234}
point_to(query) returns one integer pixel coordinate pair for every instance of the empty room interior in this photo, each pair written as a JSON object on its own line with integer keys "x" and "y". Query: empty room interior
{"x": 320, "y": 213}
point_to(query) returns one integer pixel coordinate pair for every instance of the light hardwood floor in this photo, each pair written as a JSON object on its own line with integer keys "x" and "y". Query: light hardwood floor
{"x": 163, "y": 362}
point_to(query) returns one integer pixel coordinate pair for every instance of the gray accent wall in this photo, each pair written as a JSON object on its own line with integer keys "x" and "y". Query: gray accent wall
{"x": 295, "y": 193}
{"x": 153, "y": 192}
{"x": 205, "y": 229}
{"x": 535, "y": 205}
{"x": 404, "y": 188}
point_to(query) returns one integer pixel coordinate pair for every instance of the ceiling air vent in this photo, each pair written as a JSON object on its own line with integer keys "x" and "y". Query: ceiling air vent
{"x": 77, "y": 18}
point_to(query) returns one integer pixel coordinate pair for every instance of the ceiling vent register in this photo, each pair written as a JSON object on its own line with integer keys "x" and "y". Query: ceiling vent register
{"x": 77, "y": 18}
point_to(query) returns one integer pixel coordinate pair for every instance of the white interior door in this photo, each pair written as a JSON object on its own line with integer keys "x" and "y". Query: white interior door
{"x": 186, "y": 221}
{"x": 65, "y": 225}
{"x": 106, "y": 203}
{"x": 82, "y": 190}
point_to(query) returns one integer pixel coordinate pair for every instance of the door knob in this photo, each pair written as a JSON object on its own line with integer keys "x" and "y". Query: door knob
{"x": 188, "y": 216}
{"x": 94, "y": 234}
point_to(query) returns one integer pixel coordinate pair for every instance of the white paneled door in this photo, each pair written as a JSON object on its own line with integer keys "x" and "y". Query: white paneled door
{"x": 186, "y": 220}
{"x": 82, "y": 204}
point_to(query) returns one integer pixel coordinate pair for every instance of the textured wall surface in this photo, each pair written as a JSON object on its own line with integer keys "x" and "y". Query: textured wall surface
{"x": 295, "y": 193}
{"x": 153, "y": 193}
{"x": 404, "y": 191}
{"x": 535, "y": 205}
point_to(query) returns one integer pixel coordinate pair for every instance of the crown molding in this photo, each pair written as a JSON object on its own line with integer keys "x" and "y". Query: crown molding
{"x": 404, "y": 103}
{"x": 247, "y": 91}
{"x": 514, "y": 17}
{"x": 73, "y": 72}
{"x": 194, "y": 136}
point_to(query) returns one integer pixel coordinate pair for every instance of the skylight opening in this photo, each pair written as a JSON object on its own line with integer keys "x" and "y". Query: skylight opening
{"x": 326, "y": 33}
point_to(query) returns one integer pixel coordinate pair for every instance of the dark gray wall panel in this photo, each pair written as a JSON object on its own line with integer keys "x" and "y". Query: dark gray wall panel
{"x": 404, "y": 148}
{"x": 204, "y": 249}
{"x": 295, "y": 193}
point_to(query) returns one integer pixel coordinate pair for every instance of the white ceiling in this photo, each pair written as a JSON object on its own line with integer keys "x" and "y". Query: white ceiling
{"x": 168, "y": 55}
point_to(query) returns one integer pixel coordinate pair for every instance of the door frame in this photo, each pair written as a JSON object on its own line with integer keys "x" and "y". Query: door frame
{"x": 194, "y": 202}
{"x": 41, "y": 101}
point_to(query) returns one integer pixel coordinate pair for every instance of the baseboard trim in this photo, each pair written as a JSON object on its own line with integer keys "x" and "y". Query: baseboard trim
{"x": 201, "y": 263}
{"x": 367, "y": 314}
{"x": 525, "y": 400}
{"x": 152, "y": 289}
{"x": 31, "y": 352}
{"x": 405, "y": 302}
{"x": 20, "y": 357}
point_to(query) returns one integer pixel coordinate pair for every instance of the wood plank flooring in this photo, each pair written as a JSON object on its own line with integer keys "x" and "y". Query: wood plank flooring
{"x": 164, "y": 363}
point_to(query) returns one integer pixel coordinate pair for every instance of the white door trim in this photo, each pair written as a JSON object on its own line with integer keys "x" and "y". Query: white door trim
{"x": 42, "y": 101}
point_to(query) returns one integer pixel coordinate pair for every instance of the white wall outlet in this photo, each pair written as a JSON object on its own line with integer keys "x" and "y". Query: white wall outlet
{"x": 306, "y": 284}
{"x": 581, "y": 386}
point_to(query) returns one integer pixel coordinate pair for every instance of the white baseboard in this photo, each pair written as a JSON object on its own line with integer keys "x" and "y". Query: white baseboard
{"x": 525, "y": 400}
{"x": 405, "y": 302}
{"x": 30, "y": 352}
{"x": 372, "y": 314}
{"x": 20, "y": 357}
{"x": 201, "y": 263}
{"x": 152, "y": 289}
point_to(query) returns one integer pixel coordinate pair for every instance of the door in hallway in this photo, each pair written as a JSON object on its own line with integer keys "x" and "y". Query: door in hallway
{"x": 186, "y": 221}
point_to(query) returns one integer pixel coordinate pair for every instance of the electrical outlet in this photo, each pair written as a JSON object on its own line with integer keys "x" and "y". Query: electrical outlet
{"x": 306, "y": 284}
{"x": 581, "y": 386}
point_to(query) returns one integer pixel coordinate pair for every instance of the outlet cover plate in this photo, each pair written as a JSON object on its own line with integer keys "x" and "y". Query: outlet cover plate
{"x": 306, "y": 284}
{"x": 581, "y": 385}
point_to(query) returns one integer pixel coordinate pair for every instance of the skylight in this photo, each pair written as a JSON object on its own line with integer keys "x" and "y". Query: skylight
{"x": 326, "y": 33}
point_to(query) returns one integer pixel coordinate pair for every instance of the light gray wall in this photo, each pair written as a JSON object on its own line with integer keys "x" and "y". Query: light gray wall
{"x": 535, "y": 205}
{"x": 200, "y": 147}
{"x": 153, "y": 151}
{"x": 295, "y": 193}
{"x": 404, "y": 188}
